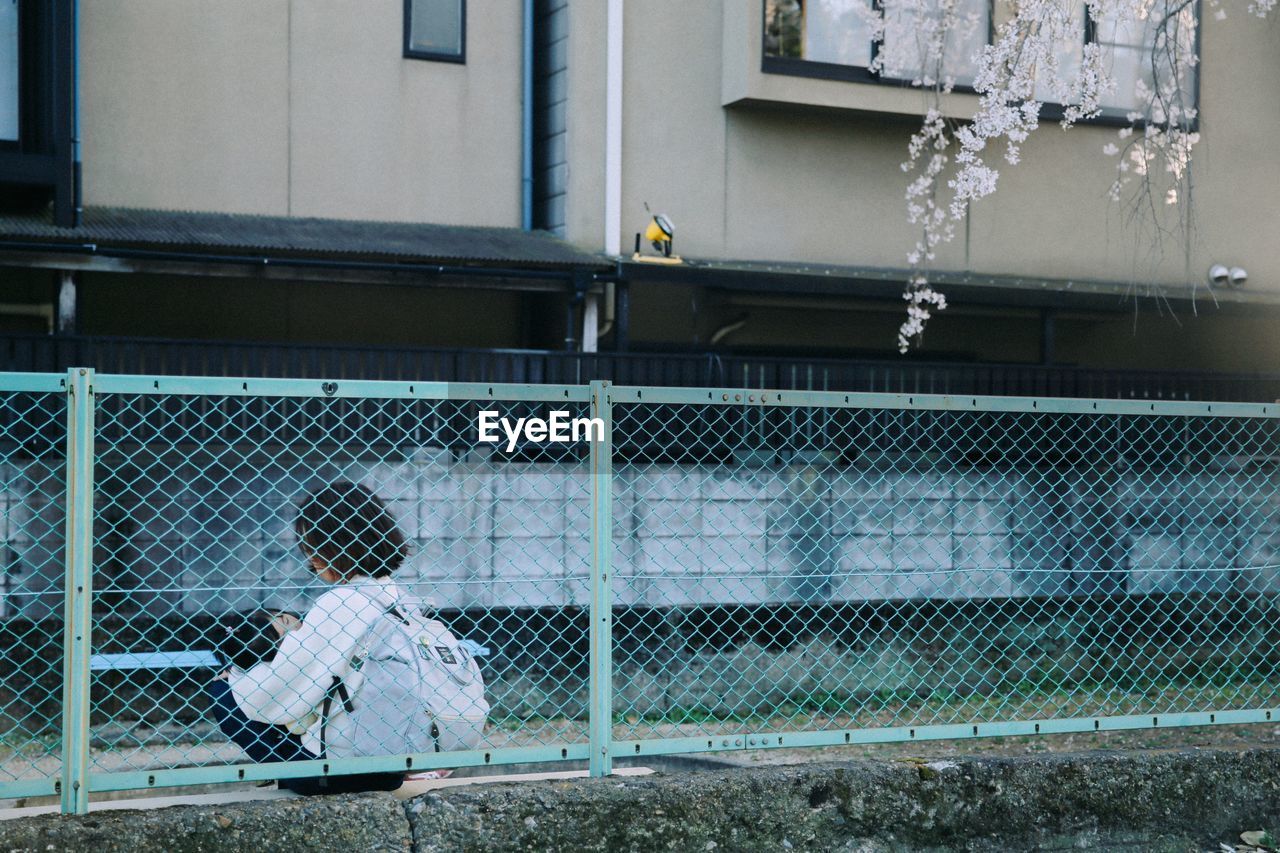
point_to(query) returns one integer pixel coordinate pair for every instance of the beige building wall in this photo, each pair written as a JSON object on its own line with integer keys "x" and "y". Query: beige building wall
{"x": 774, "y": 175}
{"x": 299, "y": 107}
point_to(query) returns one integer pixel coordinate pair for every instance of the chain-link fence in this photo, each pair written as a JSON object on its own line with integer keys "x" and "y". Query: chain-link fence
{"x": 688, "y": 570}
{"x": 799, "y": 569}
{"x": 33, "y": 440}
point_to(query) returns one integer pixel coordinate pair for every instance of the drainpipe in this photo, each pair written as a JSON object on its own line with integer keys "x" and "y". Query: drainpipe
{"x": 610, "y": 309}
{"x": 727, "y": 330}
{"x": 591, "y": 324}
{"x": 526, "y": 123}
{"x": 76, "y": 195}
{"x": 613, "y": 131}
{"x": 66, "y": 324}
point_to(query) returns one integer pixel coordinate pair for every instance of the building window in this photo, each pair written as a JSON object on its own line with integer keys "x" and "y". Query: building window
{"x": 435, "y": 29}
{"x": 9, "y": 99}
{"x": 1142, "y": 57}
{"x": 835, "y": 39}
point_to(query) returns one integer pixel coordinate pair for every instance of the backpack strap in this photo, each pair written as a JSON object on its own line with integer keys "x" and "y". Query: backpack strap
{"x": 392, "y": 610}
{"x": 336, "y": 688}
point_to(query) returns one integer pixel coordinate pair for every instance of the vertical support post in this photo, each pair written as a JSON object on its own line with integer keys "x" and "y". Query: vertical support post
{"x": 600, "y": 712}
{"x": 622, "y": 332}
{"x": 1047, "y": 334}
{"x": 78, "y": 592}
{"x": 578, "y": 285}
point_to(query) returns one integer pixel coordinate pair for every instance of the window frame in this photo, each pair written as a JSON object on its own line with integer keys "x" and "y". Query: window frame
{"x": 409, "y": 52}
{"x": 799, "y": 67}
{"x": 1049, "y": 110}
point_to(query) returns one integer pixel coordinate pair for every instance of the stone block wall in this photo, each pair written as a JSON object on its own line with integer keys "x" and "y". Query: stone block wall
{"x": 203, "y": 532}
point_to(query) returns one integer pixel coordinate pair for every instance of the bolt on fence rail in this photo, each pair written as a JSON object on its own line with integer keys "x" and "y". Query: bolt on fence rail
{"x": 714, "y": 569}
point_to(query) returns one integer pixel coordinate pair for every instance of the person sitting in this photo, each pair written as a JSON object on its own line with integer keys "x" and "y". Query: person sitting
{"x": 284, "y": 708}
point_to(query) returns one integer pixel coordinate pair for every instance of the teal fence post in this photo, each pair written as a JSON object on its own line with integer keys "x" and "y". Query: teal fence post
{"x": 600, "y": 712}
{"x": 78, "y": 592}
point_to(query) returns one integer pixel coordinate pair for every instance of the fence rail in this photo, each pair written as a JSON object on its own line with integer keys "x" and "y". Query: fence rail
{"x": 164, "y": 357}
{"x": 719, "y": 568}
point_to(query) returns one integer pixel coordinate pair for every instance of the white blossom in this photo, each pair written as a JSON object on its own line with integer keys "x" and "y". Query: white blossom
{"x": 1021, "y": 68}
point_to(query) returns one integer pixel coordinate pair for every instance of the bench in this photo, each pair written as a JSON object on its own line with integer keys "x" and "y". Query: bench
{"x": 196, "y": 658}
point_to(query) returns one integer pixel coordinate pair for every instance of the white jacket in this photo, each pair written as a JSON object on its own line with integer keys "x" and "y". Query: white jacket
{"x": 290, "y": 689}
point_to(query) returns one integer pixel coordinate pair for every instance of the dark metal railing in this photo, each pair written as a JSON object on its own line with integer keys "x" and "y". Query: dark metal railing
{"x": 41, "y": 353}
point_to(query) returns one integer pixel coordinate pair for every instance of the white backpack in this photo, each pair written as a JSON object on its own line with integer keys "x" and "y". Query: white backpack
{"x": 412, "y": 687}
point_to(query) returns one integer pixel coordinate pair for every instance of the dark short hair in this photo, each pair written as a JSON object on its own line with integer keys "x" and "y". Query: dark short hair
{"x": 351, "y": 529}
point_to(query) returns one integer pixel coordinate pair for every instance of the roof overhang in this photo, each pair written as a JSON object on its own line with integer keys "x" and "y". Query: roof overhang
{"x": 117, "y": 240}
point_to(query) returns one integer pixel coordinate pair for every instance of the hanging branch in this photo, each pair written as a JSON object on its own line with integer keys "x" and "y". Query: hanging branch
{"x": 1023, "y": 64}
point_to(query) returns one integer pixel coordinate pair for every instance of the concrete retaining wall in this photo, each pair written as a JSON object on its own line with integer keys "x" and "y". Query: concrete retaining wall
{"x": 1184, "y": 801}
{"x": 202, "y": 532}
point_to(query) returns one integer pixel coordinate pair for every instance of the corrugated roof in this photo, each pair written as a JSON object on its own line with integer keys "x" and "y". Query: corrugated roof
{"x": 225, "y": 233}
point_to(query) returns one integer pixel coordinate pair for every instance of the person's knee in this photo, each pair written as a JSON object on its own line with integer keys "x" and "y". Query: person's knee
{"x": 230, "y": 719}
{"x": 222, "y": 704}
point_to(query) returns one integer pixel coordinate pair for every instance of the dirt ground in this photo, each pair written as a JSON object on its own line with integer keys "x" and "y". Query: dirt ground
{"x": 1203, "y": 737}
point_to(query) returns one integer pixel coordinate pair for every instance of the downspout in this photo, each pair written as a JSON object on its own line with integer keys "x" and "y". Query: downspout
{"x": 592, "y": 329}
{"x": 613, "y": 131}
{"x": 526, "y": 122}
{"x": 610, "y": 308}
{"x": 76, "y": 196}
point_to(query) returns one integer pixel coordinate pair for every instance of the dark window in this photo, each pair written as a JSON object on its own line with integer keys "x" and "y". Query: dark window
{"x": 435, "y": 29}
{"x": 37, "y": 107}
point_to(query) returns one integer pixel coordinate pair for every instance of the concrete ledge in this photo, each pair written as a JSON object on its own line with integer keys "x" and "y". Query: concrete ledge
{"x": 1159, "y": 801}
{"x": 350, "y": 822}
{"x": 1162, "y": 801}
{"x": 219, "y": 798}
